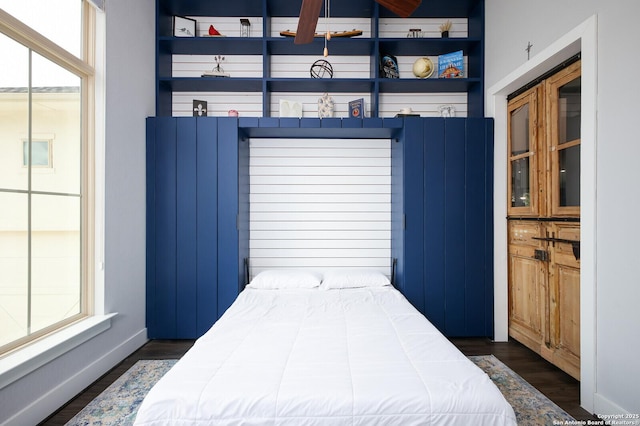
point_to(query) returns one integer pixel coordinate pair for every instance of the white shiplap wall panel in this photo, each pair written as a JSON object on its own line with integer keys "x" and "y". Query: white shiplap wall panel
{"x": 299, "y": 66}
{"x": 333, "y": 24}
{"x": 309, "y": 103}
{"x": 399, "y": 28}
{"x": 320, "y": 203}
{"x": 318, "y": 198}
{"x": 248, "y": 104}
{"x": 227, "y": 26}
{"x": 235, "y": 65}
{"x": 424, "y": 104}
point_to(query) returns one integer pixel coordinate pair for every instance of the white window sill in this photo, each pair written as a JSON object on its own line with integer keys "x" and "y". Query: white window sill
{"x": 24, "y": 361}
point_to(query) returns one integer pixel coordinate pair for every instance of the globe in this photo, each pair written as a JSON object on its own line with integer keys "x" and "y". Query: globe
{"x": 423, "y": 68}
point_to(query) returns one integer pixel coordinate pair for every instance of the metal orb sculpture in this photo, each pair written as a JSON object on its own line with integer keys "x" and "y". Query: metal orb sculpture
{"x": 321, "y": 69}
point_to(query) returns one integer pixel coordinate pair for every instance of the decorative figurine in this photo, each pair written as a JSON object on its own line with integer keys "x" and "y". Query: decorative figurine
{"x": 325, "y": 106}
{"x": 321, "y": 69}
{"x": 218, "y": 71}
{"x": 245, "y": 27}
{"x": 444, "y": 29}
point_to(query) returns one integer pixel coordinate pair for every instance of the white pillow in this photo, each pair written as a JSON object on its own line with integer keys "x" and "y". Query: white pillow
{"x": 354, "y": 278}
{"x": 286, "y": 278}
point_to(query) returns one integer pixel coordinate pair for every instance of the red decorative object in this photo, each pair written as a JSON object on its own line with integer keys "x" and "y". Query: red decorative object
{"x": 213, "y": 31}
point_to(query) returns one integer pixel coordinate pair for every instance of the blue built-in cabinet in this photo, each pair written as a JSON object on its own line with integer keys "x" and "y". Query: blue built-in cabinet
{"x": 194, "y": 256}
{"x": 442, "y": 208}
{"x": 198, "y": 215}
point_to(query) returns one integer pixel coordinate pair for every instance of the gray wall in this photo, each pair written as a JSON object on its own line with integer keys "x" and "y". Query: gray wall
{"x": 613, "y": 381}
{"x": 130, "y": 59}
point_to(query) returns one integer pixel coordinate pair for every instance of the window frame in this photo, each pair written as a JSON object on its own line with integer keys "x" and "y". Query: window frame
{"x": 84, "y": 69}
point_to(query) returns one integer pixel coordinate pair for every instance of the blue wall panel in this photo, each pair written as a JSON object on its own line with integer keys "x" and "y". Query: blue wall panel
{"x": 228, "y": 247}
{"x": 433, "y": 237}
{"x": 488, "y": 227}
{"x": 413, "y": 268}
{"x": 475, "y": 257}
{"x": 455, "y": 216}
{"x": 166, "y": 232}
{"x": 186, "y": 223}
{"x": 207, "y": 223}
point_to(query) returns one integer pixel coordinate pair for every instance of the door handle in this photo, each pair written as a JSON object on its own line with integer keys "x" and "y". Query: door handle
{"x": 575, "y": 244}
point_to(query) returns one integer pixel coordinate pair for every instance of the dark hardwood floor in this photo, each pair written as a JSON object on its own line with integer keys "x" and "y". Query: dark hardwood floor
{"x": 550, "y": 380}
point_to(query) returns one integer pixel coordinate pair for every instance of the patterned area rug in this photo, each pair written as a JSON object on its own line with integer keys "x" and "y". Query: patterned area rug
{"x": 118, "y": 404}
{"x": 530, "y": 405}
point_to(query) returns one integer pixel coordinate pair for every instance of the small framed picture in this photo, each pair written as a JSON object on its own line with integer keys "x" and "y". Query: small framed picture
{"x": 184, "y": 27}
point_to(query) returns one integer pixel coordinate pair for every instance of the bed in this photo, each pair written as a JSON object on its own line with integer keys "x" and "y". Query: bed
{"x": 343, "y": 348}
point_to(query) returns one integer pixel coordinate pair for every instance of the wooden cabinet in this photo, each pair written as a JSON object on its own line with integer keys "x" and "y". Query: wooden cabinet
{"x": 544, "y": 218}
{"x": 267, "y": 47}
{"x": 528, "y": 285}
{"x": 563, "y": 347}
{"x": 544, "y": 290}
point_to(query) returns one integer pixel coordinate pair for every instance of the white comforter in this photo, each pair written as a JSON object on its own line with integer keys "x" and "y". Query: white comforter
{"x": 324, "y": 357}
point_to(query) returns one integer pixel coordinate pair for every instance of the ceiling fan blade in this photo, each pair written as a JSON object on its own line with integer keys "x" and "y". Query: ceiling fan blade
{"x": 309, "y": 13}
{"x": 403, "y": 8}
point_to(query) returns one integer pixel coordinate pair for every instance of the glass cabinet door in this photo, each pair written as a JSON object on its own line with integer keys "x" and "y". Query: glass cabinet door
{"x": 523, "y": 162}
{"x": 563, "y": 116}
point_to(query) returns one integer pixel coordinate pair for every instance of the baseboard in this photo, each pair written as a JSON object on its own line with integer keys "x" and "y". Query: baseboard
{"x": 56, "y": 397}
{"x": 608, "y": 410}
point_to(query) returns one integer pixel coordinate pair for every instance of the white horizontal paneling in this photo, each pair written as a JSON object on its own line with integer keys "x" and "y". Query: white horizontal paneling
{"x": 351, "y": 243}
{"x": 425, "y": 104}
{"x": 294, "y": 66}
{"x": 319, "y": 198}
{"x": 322, "y": 216}
{"x": 227, "y": 26}
{"x": 318, "y": 263}
{"x": 235, "y": 65}
{"x": 304, "y": 235}
{"x": 296, "y": 170}
{"x": 333, "y": 25}
{"x": 398, "y": 28}
{"x": 319, "y": 162}
{"x": 309, "y": 103}
{"x": 301, "y": 188}
{"x": 320, "y": 203}
{"x": 247, "y": 104}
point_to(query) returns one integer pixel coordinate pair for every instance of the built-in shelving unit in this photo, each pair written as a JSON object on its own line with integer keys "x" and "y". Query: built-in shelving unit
{"x": 267, "y": 46}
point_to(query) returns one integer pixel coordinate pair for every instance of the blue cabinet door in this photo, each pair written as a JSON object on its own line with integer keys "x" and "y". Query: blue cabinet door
{"x": 445, "y": 246}
{"x": 193, "y": 259}
{"x": 161, "y": 228}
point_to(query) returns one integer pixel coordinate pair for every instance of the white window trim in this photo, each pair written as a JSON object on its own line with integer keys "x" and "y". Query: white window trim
{"x": 24, "y": 360}
{"x": 31, "y": 357}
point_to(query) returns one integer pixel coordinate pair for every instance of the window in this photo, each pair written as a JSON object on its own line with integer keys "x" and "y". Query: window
{"x": 36, "y": 154}
{"x": 46, "y": 86}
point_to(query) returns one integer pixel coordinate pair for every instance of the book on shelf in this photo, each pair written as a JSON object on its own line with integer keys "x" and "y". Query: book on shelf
{"x": 451, "y": 65}
{"x": 356, "y": 108}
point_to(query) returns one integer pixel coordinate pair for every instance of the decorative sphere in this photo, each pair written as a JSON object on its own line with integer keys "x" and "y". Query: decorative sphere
{"x": 423, "y": 68}
{"x": 321, "y": 69}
